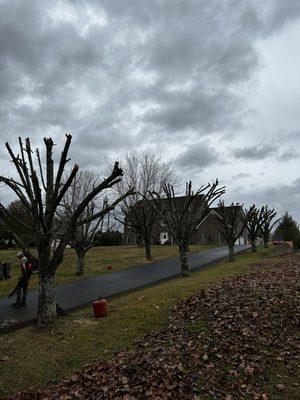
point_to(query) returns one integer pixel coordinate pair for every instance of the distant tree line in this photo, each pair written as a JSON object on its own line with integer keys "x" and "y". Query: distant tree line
{"x": 288, "y": 229}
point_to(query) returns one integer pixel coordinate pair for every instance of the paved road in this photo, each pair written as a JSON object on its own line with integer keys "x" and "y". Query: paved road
{"x": 83, "y": 291}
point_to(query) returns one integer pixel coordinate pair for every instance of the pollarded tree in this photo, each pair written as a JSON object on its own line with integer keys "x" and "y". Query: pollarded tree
{"x": 268, "y": 224}
{"x": 83, "y": 237}
{"x": 181, "y": 215}
{"x": 231, "y": 222}
{"x": 254, "y": 224}
{"x": 145, "y": 172}
{"x": 41, "y": 189}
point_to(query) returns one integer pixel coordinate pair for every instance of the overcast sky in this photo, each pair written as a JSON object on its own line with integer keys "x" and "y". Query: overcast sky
{"x": 213, "y": 85}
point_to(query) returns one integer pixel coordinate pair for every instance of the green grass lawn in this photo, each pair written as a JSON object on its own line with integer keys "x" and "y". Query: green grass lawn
{"x": 40, "y": 357}
{"x": 120, "y": 257}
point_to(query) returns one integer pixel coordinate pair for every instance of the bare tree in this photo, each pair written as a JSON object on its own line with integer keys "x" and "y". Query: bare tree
{"x": 83, "y": 237}
{"x": 231, "y": 222}
{"x": 41, "y": 190}
{"x": 145, "y": 172}
{"x": 268, "y": 224}
{"x": 254, "y": 224}
{"x": 182, "y": 215}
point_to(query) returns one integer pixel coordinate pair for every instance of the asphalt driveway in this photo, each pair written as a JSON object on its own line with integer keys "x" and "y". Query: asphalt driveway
{"x": 84, "y": 291}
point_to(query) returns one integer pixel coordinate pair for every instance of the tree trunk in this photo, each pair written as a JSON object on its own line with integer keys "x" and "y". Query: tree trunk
{"x": 266, "y": 240}
{"x": 148, "y": 251}
{"x": 80, "y": 264}
{"x": 231, "y": 257}
{"x": 185, "y": 269}
{"x": 47, "y": 300}
{"x": 147, "y": 240}
{"x": 253, "y": 246}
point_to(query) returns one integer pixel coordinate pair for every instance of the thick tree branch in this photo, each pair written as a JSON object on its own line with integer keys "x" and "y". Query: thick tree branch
{"x": 62, "y": 164}
{"x": 106, "y": 209}
{"x": 114, "y": 178}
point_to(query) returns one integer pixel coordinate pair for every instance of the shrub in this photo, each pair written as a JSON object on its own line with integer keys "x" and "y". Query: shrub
{"x": 108, "y": 238}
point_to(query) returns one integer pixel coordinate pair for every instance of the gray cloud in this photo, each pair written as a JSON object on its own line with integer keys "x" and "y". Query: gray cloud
{"x": 130, "y": 73}
{"x": 288, "y": 155}
{"x": 241, "y": 175}
{"x": 292, "y": 137}
{"x": 197, "y": 156}
{"x": 262, "y": 151}
{"x": 94, "y": 150}
{"x": 282, "y": 197}
{"x": 178, "y": 61}
{"x": 257, "y": 152}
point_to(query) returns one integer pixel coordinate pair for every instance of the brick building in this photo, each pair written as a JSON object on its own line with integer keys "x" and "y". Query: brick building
{"x": 205, "y": 233}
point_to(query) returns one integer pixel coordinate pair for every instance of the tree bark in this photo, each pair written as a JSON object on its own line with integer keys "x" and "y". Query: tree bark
{"x": 148, "y": 251}
{"x": 253, "y": 246}
{"x": 80, "y": 264}
{"x": 231, "y": 257}
{"x": 47, "y": 300}
{"x": 185, "y": 269}
{"x": 147, "y": 240}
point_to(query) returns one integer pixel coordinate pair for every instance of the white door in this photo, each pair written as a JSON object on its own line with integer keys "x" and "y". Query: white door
{"x": 240, "y": 241}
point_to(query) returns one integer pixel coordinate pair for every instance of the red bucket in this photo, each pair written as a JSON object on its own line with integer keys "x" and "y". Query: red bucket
{"x": 100, "y": 308}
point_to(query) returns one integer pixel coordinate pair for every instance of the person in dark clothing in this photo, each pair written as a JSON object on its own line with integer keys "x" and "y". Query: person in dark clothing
{"x": 22, "y": 285}
{"x": 33, "y": 261}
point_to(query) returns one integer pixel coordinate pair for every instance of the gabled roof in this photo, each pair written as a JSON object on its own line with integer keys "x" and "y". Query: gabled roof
{"x": 204, "y": 219}
{"x": 215, "y": 210}
{"x": 179, "y": 200}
